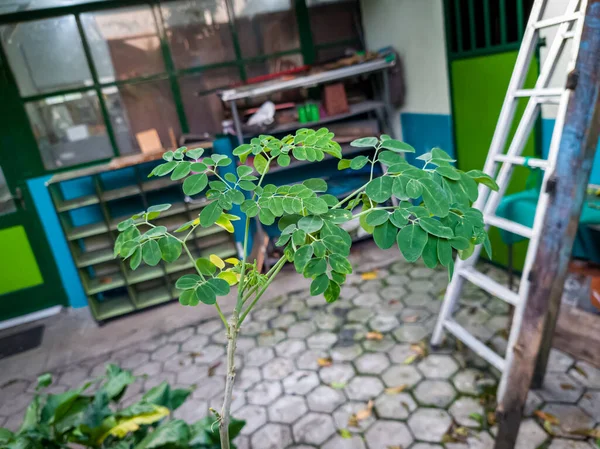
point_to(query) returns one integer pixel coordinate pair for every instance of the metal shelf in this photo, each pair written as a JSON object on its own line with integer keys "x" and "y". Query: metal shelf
{"x": 111, "y": 308}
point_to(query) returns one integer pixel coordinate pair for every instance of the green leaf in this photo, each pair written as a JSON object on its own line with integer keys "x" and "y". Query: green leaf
{"x": 487, "y": 245}
{"x": 205, "y": 266}
{"x": 340, "y": 264}
{"x": 444, "y": 251}
{"x": 183, "y": 169}
{"x": 195, "y": 184}
{"x": 397, "y": 146}
{"x": 245, "y": 148}
{"x": 310, "y": 224}
{"x": 219, "y": 286}
{"x": 469, "y": 186}
{"x": 440, "y": 157}
{"x": 399, "y": 188}
{"x": 198, "y": 167}
{"x": 250, "y": 208}
{"x": 164, "y": 169}
{"x": 319, "y": 248}
{"x": 136, "y": 258}
{"x": 206, "y": 294}
{"x": 343, "y": 164}
{"x": 170, "y": 248}
{"x": 319, "y": 285}
{"x": 156, "y": 232}
{"x": 316, "y": 205}
{"x": 299, "y": 237}
{"x": 266, "y": 217}
{"x": 390, "y": 158}
{"x": 483, "y": 178}
{"x": 435, "y": 198}
{"x": 194, "y": 153}
{"x": 188, "y": 281}
{"x": 377, "y": 217}
{"x": 430, "y": 252}
{"x": 316, "y": 184}
{"x": 358, "y": 162}
{"x": 399, "y": 218}
{"x": 151, "y": 252}
{"x": 188, "y": 298}
{"x": 459, "y": 243}
{"x": 172, "y": 434}
{"x": 333, "y": 292}
{"x": 283, "y": 160}
{"x": 380, "y": 189}
{"x": 261, "y": 164}
{"x": 411, "y": 241}
{"x": 364, "y": 142}
{"x": 128, "y": 248}
{"x": 385, "y": 235}
{"x": 221, "y": 160}
{"x": 159, "y": 208}
{"x": 301, "y": 257}
{"x": 448, "y": 172}
{"x": 125, "y": 224}
{"x": 315, "y": 267}
{"x": 336, "y": 244}
{"x": 338, "y": 216}
{"x": 433, "y": 226}
{"x": 210, "y": 214}
{"x": 414, "y": 189}
{"x": 44, "y": 381}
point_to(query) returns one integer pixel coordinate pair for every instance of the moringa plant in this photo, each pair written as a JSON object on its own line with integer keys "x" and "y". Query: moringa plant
{"x": 425, "y": 211}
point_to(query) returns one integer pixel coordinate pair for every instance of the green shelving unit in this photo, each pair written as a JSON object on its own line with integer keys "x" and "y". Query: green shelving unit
{"x": 91, "y": 202}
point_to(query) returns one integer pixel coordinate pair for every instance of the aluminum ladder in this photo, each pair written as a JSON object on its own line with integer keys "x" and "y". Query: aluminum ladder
{"x": 570, "y": 25}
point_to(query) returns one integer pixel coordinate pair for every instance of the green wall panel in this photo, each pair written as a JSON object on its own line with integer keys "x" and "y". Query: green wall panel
{"x": 479, "y": 85}
{"x": 18, "y": 267}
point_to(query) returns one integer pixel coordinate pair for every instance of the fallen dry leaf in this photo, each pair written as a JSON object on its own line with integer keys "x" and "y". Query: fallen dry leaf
{"x": 353, "y": 421}
{"x": 394, "y": 447}
{"x": 410, "y": 359}
{"x": 324, "y": 361}
{"x": 212, "y": 368}
{"x": 567, "y": 386}
{"x": 396, "y": 390}
{"x": 345, "y": 433}
{"x": 580, "y": 371}
{"x": 374, "y": 336}
{"x": 547, "y": 417}
{"x": 491, "y": 418}
{"x": 592, "y": 433}
{"x": 369, "y": 275}
{"x": 419, "y": 348}
{"x": 365, "y": 413}
{"x": 337, "y": 385}
{"x": 411, "y": 319}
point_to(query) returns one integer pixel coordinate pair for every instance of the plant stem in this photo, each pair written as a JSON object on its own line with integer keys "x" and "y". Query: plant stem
{"x": 356, "y": 192}
{"x": 232, "y": 334}
{"x": 277, "y": 267}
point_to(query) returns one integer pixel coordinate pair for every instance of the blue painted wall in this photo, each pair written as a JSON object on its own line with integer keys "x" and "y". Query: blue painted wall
{"x": 547, "y": 128}
{"x": 58, "y": 243}
{"x": 425, "y": 131}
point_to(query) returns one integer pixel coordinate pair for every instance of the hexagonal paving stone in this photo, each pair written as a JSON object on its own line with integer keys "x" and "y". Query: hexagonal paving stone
{"x": 339, "y": 442}
{"x": 300, "y": 382}
{"x": 360, "y": 314}
{"x": 148, "y": 369}
{"x": 337, "y": 372}
{"x": 290, "y": 347}
{"x": 559, "y": 361}
{"x": 238, "y": 400}
{"x": 532, "y": 403}
{"x": 263, "y": 393}
{"x": 397, "y": 280}
{"x": 313, "y": 428}
{"x": 321, "y": 340}
{"x": 192, "y": 374}
{"x": 386, "y": 434}
{"x": 427, "y": 446}
{"x": 253, "y": 328}
{"x": 383, "y": 323}
{"x": 346, "y": 353}
{"x": 561, "y": 443}
{"x": 401, "y": 375}
{"x": 195, "y": 343}
{"x": 417, "y": 300}
{"x": 351, "y": 332}
{"x": 76, "y": 376}
{"x": 428, "y": 424}
{"x": 277, "y": 368}
{"x": 363, "y": 388}
{"x": 383, "y": 345}
{"x": 412, "y": 315}
{"x": 367, "y": 300}
{"x": 560, "y": 387}
{"x": 192, "y": 410}
{"x": 327, "y": 322}
{"x": 165, "y": 352}
{"x": 372, "y": 363}
{"x": 463, "y": 409}
{"x": 530, "y": 435}
{"x": 393, "y": 292}
{"x": 570, "y": 417}
{"x": 395, "y": 406}
{"x": 283, "y": 321}
{"x": 308, "y": 360}
{"x": 259, "y": 356}
{"x": 264, "y": 314}
{"x": 272, "y": 436}
{"x": 153, "y": 381}
{"x": 247, "y": 377}
{"x": 590, "y": 403}
{"x": 373, "y": 285}
{"x": 411, "y": 333}
{"x": 438, "y": 393}
{"x": 287, "y": 409}
{"x": 181, "y": 335}
{"x": 270, "y": 337}
{"x": 210, "y": 327}
{"x": 209, "y": 353}
{"x": 421, "y": 285}
{"x": 389, "y": 307}
{"x": 255, "y": 417}
{"x": 209, "y": 388}
{"x": 591, "y": 379}
{"x": 325, "y": 399}
{"x": 400, "y": 352}
{"x": 437, "y": 366}
{"x": 466, "y": 380}
{"x": 293, "y": 305}
{"x": 345, "y": 418}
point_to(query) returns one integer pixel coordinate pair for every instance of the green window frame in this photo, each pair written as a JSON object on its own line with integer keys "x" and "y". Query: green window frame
{"x": 307, "y": 50}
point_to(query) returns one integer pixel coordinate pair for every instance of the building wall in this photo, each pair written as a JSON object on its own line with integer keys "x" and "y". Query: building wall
{"x": 415, "y": 28}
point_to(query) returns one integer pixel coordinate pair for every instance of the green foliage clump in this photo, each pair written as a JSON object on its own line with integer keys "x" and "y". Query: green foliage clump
{"x": 95, "y": 420}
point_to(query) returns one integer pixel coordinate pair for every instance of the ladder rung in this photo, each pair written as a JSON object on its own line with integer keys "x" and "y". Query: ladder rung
{"x": 490, "y": 285}
{"x": 569, "y": 35}
{"x": 510, "y": 226}
{"x": 554, "y": 92}
{"x": 477, "y": 346}
{"x": 519, "y": 160}
{"x": 557, "y": 20}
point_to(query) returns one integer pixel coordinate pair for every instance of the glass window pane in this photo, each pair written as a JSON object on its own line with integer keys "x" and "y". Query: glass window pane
{"x": 124, "y": 43}
{"x": 69, "y": 129}
{"x": 46, "y": 55}
{"x": 143, "y": 116}
{"x": 273, "y": 65}
{"x": 345, "y": 26}
{"x": 205, "y": 111}
{"x": 7, "y": 203}
{"x": 265, "y": 27}
{"x": 198, "y": 32}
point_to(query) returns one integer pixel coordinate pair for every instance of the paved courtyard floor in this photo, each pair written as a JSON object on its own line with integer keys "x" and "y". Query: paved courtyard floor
{"x": 355, "y": 374}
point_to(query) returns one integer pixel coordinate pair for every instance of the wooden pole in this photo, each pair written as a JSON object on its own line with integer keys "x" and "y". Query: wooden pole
{"x": 574, "y": 164}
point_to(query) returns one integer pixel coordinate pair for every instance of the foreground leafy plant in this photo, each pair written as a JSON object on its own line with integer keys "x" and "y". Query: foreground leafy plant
{"x": 425, "y": 211}
{"x": 95, "y": 420}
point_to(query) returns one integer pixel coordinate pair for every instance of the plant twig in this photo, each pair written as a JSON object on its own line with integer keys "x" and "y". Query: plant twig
{"x": 232, "y": 334}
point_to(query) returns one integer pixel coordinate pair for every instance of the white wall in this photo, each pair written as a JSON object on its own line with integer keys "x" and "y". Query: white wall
{"x": 416, "y": 29}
